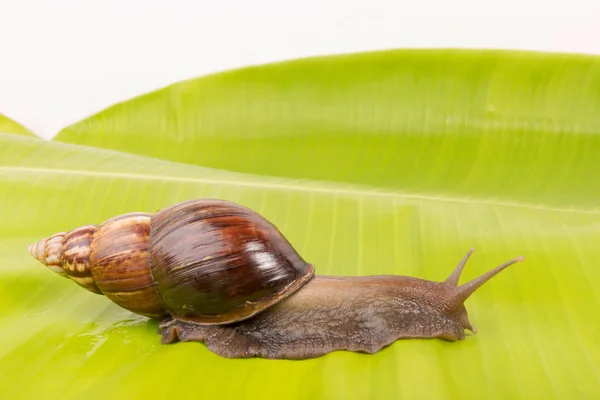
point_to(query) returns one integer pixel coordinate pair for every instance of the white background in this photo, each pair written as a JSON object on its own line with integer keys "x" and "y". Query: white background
{"x": 62, "y": 60}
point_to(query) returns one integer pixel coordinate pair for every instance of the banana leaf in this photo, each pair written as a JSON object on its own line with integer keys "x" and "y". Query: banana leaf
{"x": 379, "y": 163}
{"x": 8, "y": 125}
{"x": 448, "y": 123}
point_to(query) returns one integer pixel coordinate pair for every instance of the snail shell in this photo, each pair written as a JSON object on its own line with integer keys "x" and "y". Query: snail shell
{"x": 205, "y": 261}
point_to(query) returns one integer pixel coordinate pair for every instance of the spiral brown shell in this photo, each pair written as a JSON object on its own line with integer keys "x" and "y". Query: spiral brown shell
{"x": 207, "y": 261}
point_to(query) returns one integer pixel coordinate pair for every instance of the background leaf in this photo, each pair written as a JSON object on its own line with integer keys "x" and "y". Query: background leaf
{"x": 515, "y": 175}
{"x": 435, "y": 122}
{"x": 7, "y": 125}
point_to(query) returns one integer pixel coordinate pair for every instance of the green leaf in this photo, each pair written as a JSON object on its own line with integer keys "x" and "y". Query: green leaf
{"x": 7, "y": 125}
{"x": 379, "y": 163}
{"x": 436, "y": 122}
{"x": 535, "y": 321}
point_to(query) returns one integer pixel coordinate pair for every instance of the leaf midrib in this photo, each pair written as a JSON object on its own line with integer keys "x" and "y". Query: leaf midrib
{"x": 311, "y": 186}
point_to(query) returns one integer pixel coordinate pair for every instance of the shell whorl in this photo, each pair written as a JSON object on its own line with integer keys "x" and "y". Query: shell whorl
{"x": 48, "y": 251}
{"x": 110, "y": 259}
{"x": 68, "y": 254}
{"x": 121, "y": 265}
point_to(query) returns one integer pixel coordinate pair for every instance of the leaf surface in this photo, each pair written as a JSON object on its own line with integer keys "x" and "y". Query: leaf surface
{"x": 8, "y": 125}
{"x": 442, "y": 122}
{"x": 381, "y": 163}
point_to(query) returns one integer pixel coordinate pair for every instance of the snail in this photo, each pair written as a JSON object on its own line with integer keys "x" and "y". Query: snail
{"x": 217, "y": 272}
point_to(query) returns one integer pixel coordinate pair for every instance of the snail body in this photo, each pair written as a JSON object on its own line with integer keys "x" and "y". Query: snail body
{"x": 217, "y": 272}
